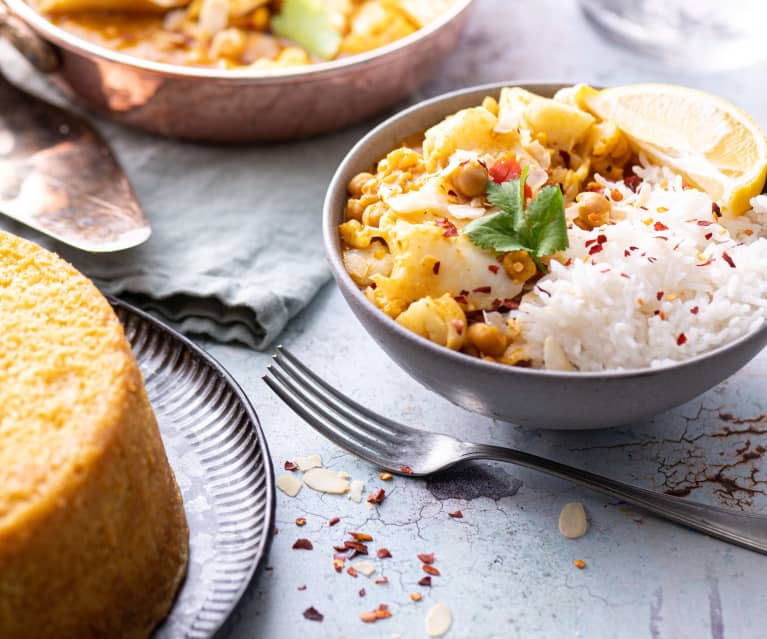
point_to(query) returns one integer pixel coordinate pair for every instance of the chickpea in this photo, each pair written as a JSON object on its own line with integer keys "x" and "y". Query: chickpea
{"x": 357, "y": 182}
{"x": 593, "y": 210}
{"x": 354, "y": 210}
{"x": 470, "y": 179}
{"x": 519, "y": 266}
{"x": 486, "y": 339}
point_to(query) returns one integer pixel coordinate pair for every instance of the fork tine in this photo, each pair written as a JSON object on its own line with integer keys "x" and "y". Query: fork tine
{"x": 346, "y": 434}
{"x": 340, "y": 402}
{"x": 320, "y": 424}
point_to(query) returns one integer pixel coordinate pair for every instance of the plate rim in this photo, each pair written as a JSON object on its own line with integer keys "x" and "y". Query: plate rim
{"x": 266, "y": 541}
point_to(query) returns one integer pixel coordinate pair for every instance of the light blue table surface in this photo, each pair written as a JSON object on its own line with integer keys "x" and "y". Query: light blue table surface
{"x": 506, "y": 570}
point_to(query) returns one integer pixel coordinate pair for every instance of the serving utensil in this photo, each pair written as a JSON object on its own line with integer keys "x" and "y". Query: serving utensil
{"x": 58, "y": 176}
{"x": 407, "y": 451}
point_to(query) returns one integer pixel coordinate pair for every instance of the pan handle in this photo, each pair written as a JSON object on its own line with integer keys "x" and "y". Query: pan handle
{"x": 41, "y": 54}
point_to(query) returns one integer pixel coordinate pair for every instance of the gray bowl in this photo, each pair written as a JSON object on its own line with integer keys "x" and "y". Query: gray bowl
{"x": 528, "y": 397}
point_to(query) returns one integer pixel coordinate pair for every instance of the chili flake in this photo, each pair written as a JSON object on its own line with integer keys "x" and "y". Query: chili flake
{"x": 450, "y": 228}
{"x": 597, "y": 248}
{"x": 424, "y": 581}
{"x": 461, "y": 300}
{"x": 312, "y": 614}
{"x": 660, "y": 226}
{"x": 382, "y": 580}
{"x": 333, "y": 521}
{"x": 362, "y": 549}
{"x": 456, "y": 515}
{"x": 377, "y": 497}
{"x": 303, "y": 587}
{"x": 659, "y": 295}
{"x": 483, "y": 289}
{"x": 300, "y": 521}
{"x": 303, "y": 544}
{"x": 601, "y": 238}
{"x": 626, "y": 253}
{"x": 708, "y": 236}
{"x": 358, "y": 536}
{"x": 383, "y": 553}
{"x": 352, "y": 571}
{"x": 715, "y": 209}
{"x": 694, "y": 310}
{"x": 681, "y": 339}
{"x": 427, "y": 559}
{"x": 493, "y": 268}
{"x": 430, "y": 570}
{"x": 435, "y": 268}
{"x": 361, "y": 592}
{"x": 705, "y": 222}
{"x": 289, "y": 465}
{"x": 632, "y": 182}
{"x": 728, "y": 259}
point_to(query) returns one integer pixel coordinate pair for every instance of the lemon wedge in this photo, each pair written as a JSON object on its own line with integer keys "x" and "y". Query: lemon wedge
{"x": 711, "y": 142}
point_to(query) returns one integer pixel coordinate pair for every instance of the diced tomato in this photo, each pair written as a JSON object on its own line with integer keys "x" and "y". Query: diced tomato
{"x": 505, "y": 170}
{"x": 528, "y": 191}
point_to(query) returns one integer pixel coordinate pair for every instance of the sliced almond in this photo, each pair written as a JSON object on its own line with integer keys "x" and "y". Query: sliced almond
{"x": 355, "y": 490}
{"x": 324, "y": 480}
{"x": 438, "y": 620}
{"x": 308, "y": 462}
{"x": 572, "y": 520}
{"x": 289, "y": 485}
{"x": 366, "y": 568}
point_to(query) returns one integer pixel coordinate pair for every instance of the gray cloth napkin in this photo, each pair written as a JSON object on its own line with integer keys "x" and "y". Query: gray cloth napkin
{"x": 236, "y": 249}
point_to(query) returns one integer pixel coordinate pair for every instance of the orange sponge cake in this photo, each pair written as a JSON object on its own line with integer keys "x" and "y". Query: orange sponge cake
{"x": 93, "y": 537}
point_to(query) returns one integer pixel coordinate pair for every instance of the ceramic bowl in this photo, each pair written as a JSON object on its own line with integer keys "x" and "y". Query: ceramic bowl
{"x": 238, "y": 105}
{"x": 528, "y": 397}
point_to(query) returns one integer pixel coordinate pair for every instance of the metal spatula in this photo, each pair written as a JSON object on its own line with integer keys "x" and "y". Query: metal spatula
{"x": 58, "y": 176}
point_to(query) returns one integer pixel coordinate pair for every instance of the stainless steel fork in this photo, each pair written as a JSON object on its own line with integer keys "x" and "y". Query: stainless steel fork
{"x": 416, "y": 453}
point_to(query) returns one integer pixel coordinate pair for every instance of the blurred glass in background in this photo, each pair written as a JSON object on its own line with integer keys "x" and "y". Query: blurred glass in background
{"x": 697, "y": 35}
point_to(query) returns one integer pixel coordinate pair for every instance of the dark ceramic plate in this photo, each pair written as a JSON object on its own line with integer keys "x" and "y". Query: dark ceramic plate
{"x": 219, "y": 456}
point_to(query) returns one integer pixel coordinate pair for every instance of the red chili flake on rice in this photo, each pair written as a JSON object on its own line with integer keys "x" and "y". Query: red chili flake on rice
{"x": 435, "y": 268}
{"x": 303, "y": 544}
{"x": 708, "y": 236}
{"x": 601, "y": 238}
{"x": 681, "y": 339}
{"x": 460, "y": 299}
{"x": 659, "y": 295}
{"x": 626, "y": 253}
{"x": 493, "y": 268}
{"x": 588, "y": 243}
{"x": 426, "y": 558}
{"x": 626, "y": 275}
{"x": 705, "y": 222}
{"x": 715, "y": 209}
{"x": 312, "y": 614}
{"x": 483, "y": 289}
{"x": 660, "y": 226}
{"x": 694, "y": 310}
{"x": 661, "y": 237}
{"x": 728, "y": 259}
{"x": 597, "y": 248}
{"x": 652, "y": 259}
{"x": 632, "y": 182}
{"x": 706, "y": 263}
{"x": 289, "y": 465}
{"x": 543, "y": 290}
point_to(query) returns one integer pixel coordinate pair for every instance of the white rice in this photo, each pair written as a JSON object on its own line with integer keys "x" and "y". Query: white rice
{"x": 603, "y": 308}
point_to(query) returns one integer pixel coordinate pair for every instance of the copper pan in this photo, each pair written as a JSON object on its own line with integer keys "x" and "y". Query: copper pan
{"x": 232, "y": 105}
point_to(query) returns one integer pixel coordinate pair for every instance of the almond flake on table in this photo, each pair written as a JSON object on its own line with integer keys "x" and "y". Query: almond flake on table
{"x": 355, "y": 490}
{"x": 308, "y": 462}
{"x": 324, "y": 480}
{"x": 438, "y": 620}
{"x": 366, "y": 568}
{"x": 572, "y": 520}
{"x": 289, "y": 485}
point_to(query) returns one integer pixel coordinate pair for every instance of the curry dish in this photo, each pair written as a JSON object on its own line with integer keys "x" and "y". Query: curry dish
{"x": 260, "y": 34}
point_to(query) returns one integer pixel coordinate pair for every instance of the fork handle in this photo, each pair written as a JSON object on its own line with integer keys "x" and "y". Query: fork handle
{"x": 743, "y": 529}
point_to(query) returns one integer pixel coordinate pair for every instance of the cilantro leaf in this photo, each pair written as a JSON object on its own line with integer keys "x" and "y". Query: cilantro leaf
{"x": 307, "y": 23}
{"x": 548, "y": 227}
{"x": 540, "y": 230}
